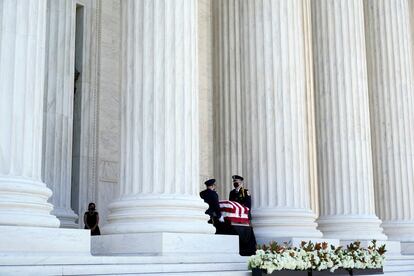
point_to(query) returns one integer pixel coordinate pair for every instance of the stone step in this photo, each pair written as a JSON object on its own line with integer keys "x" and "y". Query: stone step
{"x": 399, "y": 265}
{"x": 200, "y": 265}
{"x": 226, "y": 265}
{"x": 129, "y": 269}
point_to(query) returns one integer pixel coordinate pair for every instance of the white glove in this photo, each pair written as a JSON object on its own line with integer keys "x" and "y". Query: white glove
{"x": 221, "y": 219}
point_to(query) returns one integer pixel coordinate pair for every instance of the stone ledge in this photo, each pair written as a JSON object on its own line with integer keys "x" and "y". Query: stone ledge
{"x": 407, "y": 248}
{"x": 164, "y": 244}
{"x": 46, "y": 241}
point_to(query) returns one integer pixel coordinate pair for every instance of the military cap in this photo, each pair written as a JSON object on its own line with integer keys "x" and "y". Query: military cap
{"x": 237, "y": 177}
{"x": 210, "y": 182}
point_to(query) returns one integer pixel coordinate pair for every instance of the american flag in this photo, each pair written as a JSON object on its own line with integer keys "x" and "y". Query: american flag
{"x": 234, "y": 212}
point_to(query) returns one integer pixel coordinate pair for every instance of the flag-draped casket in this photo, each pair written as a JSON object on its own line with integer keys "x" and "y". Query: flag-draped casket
{"x": 234, "y": 212}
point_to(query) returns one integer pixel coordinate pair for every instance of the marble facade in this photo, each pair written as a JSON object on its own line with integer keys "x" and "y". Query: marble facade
{"x": 312, "y": 101}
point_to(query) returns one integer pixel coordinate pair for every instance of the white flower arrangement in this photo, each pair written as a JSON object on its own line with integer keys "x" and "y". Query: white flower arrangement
{"x": 319, "y": 256}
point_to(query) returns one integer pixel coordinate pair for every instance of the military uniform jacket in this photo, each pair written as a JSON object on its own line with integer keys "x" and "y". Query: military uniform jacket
{"x": 211, "y": 198}
{"x": 242, "y": 196}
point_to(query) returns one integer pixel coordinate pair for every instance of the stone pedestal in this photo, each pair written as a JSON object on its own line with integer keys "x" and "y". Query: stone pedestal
{"x": 346, "y": 189}
{"x": 159, "y": 176}
{"x": 39, "y": 241}
{"x": 166, "y": 244}
{"x": 274, "y": 86}
{"x": 391, "y": 87}
{"x": 58, "y": 109}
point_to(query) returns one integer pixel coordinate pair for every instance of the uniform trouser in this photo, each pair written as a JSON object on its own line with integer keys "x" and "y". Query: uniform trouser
{"x": 247, "y": 240}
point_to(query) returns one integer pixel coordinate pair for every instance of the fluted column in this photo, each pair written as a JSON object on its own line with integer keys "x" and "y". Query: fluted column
{"x": 159, "y": 121}
{"x": 346, "y": 190}
{"x": 58, "y": 109}
{"x": 274, "y": 85}
{"x": 391, "y": 91}
{"x": 310, "y": 102}
{"x": 23, "y": 196}
{"x": 227, "y": 93}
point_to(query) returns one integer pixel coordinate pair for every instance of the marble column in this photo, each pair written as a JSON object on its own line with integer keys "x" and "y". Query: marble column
{"x": 159, "y": 177}
{"x": 391, "y": 92}
{"x": 310, "y": 102}
{"x": 58, "y": 109}
{"x": 23, "y": 196}
{"x": 346, "y": 189}
{"x": 227, "y": 94}
{"x": 275, "y": 126}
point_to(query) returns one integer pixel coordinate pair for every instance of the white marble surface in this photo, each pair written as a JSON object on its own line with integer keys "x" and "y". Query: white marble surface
{"x": 346, "y": 197}
{"x": 181, "y": 264}
{"x": 274, "y": 133}
{"x": 200, "y": 264}
{"x": 407, "y": 248}
{"x": 391, "y": 87}
{"x": 23, "y": 196}
{"x": 109, "y": 120}
{"x": 21, "y": 242}
{"x": 205, "y": 90}
{"x": 227, "y": 92}
{"x": 159, "y": 167}
{"x": 310, "y": 105}
{"x": 171, "y": 244}
{"x": 58, "y": 109}
{"x": 97, "y": 159}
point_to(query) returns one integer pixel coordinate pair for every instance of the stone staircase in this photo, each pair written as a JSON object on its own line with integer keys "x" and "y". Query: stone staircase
{"x": 399, "y": 265}
{"x": 217, "y": 265}
{"x": 77, "y": 261}
{"x": 125, "y": 265}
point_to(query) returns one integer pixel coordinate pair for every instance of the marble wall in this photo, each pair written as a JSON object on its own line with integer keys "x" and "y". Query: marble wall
{"x": 108, "y": 109}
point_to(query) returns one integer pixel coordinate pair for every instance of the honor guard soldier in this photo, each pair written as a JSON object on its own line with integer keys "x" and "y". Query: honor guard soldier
{"x": 210, "y": 196}
{"x": 240, "y": 194}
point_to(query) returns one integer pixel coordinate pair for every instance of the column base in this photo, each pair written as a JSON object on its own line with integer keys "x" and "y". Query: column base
{"x": 272, "y": 224}
{"x": 23, "y": 202}
{"x": 149, "y": 213}
{"x": 66, "y": 217}
{"x": 165, "y": 244}
{"x": 351, "y": 228}
{"x": 399, "y": 230}
{"x": 27, "y": 241}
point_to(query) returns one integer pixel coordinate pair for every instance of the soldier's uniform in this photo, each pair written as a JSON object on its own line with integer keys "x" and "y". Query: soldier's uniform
{"x": 247, "y": 239}
{"x": 241, "y": 196}
{"x": 211, "y": 198}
